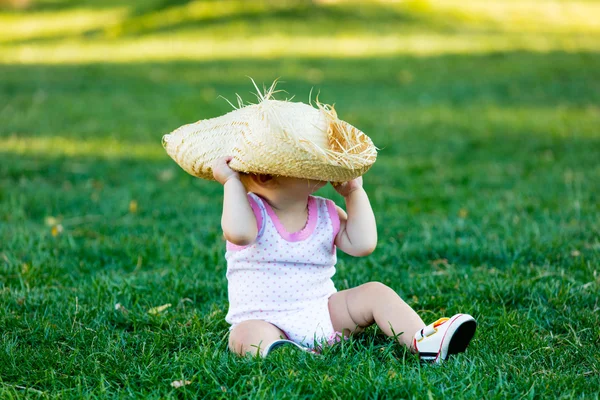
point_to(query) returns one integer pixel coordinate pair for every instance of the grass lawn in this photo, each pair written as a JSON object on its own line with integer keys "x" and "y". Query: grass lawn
{"x": 486, "y": 190}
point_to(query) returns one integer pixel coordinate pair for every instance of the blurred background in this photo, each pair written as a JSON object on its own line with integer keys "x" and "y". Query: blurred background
{"x": 486, "y": 114}
{"x": 473, "y": 104}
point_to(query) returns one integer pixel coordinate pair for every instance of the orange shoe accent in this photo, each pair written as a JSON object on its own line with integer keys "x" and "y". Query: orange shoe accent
{"x": 439, "y": 322}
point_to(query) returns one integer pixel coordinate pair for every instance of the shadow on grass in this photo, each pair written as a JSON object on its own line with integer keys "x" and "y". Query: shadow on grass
{"x": 269, "y": 18}
{"x": 142, "y": 101}
{"x": 519, "y": 206}
{"x": 56, "y": 5}
{"x": 509, "y": 139}
{"x": 298, "y": 17}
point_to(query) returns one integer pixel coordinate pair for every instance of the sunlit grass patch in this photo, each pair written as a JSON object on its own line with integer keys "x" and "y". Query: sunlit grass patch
{"x": 57, "y": 146}
{"x": 56, "y": 25}
{"x": 200, "y": 30}
{"x": 188, "y": 47}
{"x": 528, "y": 16}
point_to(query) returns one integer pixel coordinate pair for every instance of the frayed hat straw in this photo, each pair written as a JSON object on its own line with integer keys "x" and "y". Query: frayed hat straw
{"x": 281, "y": 138}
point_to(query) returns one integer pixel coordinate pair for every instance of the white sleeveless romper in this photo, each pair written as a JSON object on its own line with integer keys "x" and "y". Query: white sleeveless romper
{"x": 283, "y": 278}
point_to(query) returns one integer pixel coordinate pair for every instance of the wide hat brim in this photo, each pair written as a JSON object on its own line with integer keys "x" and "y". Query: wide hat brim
{"x": 275, "y": 137}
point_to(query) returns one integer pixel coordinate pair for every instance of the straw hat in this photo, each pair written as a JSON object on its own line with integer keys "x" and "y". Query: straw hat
{"x": 275, "y": 137}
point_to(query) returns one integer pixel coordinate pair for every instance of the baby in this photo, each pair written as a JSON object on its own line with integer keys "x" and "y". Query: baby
{"x": 281, "y": 255}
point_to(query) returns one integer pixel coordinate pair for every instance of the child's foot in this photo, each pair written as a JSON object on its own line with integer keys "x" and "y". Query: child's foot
{"x": 283, "y": 342}
{"x": 446, "y": 336}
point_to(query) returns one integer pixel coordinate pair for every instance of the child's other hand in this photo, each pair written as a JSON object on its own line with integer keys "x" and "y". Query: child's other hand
{"x": 221, "y": 171}
{"x": 348, "y": 187}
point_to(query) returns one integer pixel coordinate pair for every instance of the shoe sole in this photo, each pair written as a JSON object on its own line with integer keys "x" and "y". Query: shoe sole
{"x": 282, "y": 342}
{"x": 461, "y": 338}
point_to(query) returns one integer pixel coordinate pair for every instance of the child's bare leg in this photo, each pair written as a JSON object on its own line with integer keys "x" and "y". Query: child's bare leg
{"x": 252, "y": 336}
{"x": 354, "y": 309}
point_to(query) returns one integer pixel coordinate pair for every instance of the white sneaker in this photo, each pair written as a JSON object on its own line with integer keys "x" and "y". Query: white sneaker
{"x": 283, "y": 342}
{"x": 446, "y": 336}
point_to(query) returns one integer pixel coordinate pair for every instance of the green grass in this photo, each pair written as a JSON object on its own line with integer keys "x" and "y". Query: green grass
{"x": 486, "y": 189}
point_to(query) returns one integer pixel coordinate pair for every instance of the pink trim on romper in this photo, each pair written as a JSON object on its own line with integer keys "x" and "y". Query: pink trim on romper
{"x": 334, "y": 216}
{"x": 259, "y": 220}
{"x": 302, "y": 234}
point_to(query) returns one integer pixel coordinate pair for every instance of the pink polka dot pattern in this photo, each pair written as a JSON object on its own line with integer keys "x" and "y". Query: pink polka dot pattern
{"x": 283, "y": 278}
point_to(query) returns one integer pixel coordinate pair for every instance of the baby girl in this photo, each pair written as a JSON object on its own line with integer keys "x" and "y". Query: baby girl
{"x": 281, "y": 255}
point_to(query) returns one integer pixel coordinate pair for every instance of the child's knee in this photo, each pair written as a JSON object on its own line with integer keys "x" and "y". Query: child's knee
{"x": 377, "y": 288}
{"x": 251, "y": 336}
{"x": 240, "y": 338}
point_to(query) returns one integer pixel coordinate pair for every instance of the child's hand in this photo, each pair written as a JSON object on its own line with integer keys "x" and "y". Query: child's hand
{"x": 222, "y": 172}
{"x": 348, "y": 187}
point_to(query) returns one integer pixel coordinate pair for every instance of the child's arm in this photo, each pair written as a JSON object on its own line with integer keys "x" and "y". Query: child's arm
{"x": 358, "y": 231}
{"x": 238, "y": 220}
